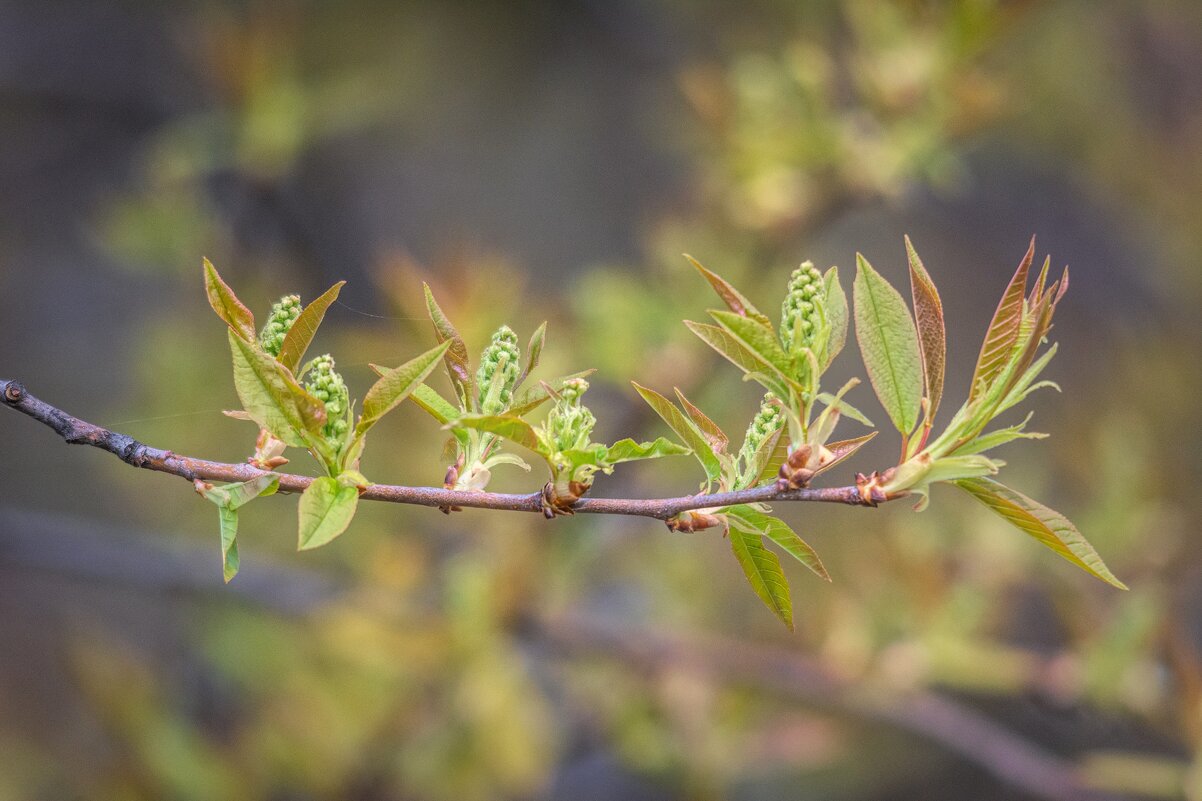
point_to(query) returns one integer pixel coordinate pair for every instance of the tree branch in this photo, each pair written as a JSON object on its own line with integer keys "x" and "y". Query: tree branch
{"x": 137, "y": 454}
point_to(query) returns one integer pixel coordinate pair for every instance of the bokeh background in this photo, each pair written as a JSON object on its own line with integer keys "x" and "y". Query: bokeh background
{"x": 552, "y": 160}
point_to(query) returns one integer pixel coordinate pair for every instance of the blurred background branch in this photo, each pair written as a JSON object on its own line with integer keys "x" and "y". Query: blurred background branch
{"x": 556, "y": 158}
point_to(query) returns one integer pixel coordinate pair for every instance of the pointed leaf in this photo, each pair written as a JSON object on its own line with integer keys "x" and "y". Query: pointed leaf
{"x": 530, "y": 399}
{"x": 1001, "y": 436}
{"x": 396, "y": 385}
{"x": 739, "y": 354}
{"x": 780, "y": 452}
{"x": 226, "y": 304}
{"x": 765, "y": 462}
{"x": 843, "y": 450}
{"x": 627, "y": 450}
{"x": 685, "y": 429}
{"x": 758, "y": 338}
{"x": 228, "y": 499}
{"x": 836, "y": 316}
{"x": 272, "y": 397}
{"x": 326, "y": 509}
{"x": 434, "y": 404}
{"x": 301, "y": 334}
{"x": 459, "y": 366}
{"x": 509, "y": 426}
{"x": 1003, "y": 329}
{"x": 932, "y": 335}
{"x": 889, "y": 346}
{"x": 733, "y": 299}
{"x": 714, "y": 435}
{"x": 533, "y": 352}
{"x": 779, "y": 532}
{"x": 1049, "y": 527}
{"x": 762, "y": 569}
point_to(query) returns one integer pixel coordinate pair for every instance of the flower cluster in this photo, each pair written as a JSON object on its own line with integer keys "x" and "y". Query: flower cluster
{"x": 767, "y": 421}
{"x": 328, "y": 387}
{"x": 803, "y": 310}
{"x": 569, "y": 424}
{"x": 499, "y": 371}
{"x": 283, "y": 314}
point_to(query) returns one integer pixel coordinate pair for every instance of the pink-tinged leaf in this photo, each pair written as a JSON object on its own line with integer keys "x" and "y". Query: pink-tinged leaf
{"x": 226, "y": 304}
{"x": 684, "y": 428}
{"x": 889, "y": 345}
{"x": 1003, "y": 329}
{"x": 762, "y": 569}
{"x": 733, "y": 299}
{"x": 533, "y": 352}
{"x": 1049, "y": 527}
{"x": 738, "y": 354}
{"x": 459, "y": 366}
{"x": 301, "y": 334}
{"x": 843, "y": 450}
{"x": 932, "y": 336}
{"x": 716, "y": 436}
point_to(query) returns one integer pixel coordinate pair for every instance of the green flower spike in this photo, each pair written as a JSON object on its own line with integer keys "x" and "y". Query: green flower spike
{"x": 283, "y": 314}
{"x": 570, "y": 424}
{"x": 328, "y": 387}
{"x": 767, "y": 421}
{"x": 499, "y": 371}
{"x": 804, "y": 310}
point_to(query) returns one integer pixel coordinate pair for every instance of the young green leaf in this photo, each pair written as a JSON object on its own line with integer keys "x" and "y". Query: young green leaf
{"x": 509, "y": 426}
{"x": 326, "y": 508}
{"x": 301, "y": 334}
{"x": 739, "y": 355}
{"x": 226, "y": 304}
{"x": 843, "y": 407}
{"x": 533, "y": 351}
{"x": 758, "y": 338}
{"x": 1003, "y": 329}
{"x": 1049, "y": 527}
{"x": 271, "y": 396}
{"x": 396, "y": 385}
{"x": 779, "y": 532}
{"x": 228, "y": 499}
{"x": 889, "y": 346}
{"x": 714, "y": 435}
{"x": 627, "y": 450}
{"x": 836, "y": 315}
{"x": 459, "y": 366}
{"x": 530, "y": 399}
{"x": 762, "y": 569}
{"x": 434, "y": 404}
{"x": 685, "y": 429}
{"x": 733, "y": 299}
{"x": 932, "y": 335}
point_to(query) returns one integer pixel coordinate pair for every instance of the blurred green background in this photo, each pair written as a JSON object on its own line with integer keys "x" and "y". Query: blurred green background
{"x": 551, "y": 160}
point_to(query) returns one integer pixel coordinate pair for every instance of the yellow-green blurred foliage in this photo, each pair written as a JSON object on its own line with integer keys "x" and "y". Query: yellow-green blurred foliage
{"x": 424, "y": 675}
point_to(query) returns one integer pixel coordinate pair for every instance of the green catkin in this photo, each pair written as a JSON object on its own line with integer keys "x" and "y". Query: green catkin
{"x": 283, "y": 314}
{"x": 767, "y": 421}
{"x": 804, "y": 309}
{"x": 569, "y": 424}
{"x": 325, "y": 384}
{"x": 499, "y": 371}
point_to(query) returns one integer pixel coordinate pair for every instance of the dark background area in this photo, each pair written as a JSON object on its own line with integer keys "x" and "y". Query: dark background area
{"x": 551, "y": 161}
